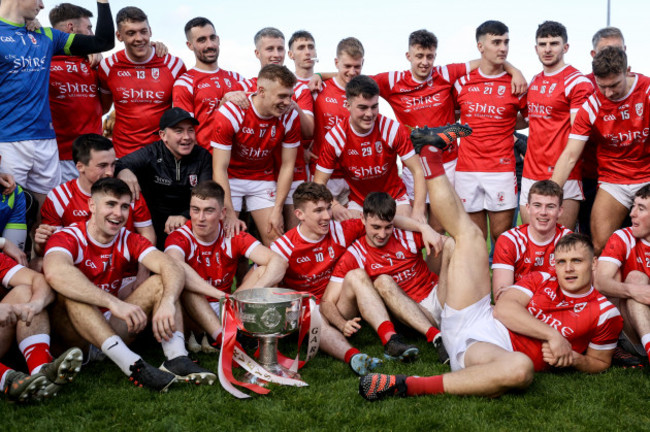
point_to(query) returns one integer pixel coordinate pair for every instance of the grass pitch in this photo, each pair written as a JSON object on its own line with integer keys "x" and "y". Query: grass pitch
{"x": 102, "y": 399}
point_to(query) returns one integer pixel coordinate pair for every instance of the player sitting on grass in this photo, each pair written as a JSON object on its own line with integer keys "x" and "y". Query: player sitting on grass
{"x": 85, "y": 264}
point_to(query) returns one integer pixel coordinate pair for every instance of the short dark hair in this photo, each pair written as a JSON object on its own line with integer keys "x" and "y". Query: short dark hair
{"x": 546, "y": 188}
{"x": 300, "y": 34}
{"x": 84, "y": 144}
{"x": 361, "y": 85}
{"x": 379, "y": 204}
{"x": 209, "y": 189}
{"x": 644, "y": 192}
{"x": 609, "y": 61}
{"x": 281, "y": 74}
{"x": 551, "y": 29}
{"x": 350, "y": 46}
{"x": 424, "y": 38}
{"x": 196, "y": 22}
{"x": 68, "y": 11}
{"x": 492, "y": 27}
{"x": 130, "y": 13}
{"x": 268, "y": 32}
{"x": 572, "y": 240}
{"x": 311, "y": 192}
{"x": 607, "y": 33}
{"x": 110, "y": 186}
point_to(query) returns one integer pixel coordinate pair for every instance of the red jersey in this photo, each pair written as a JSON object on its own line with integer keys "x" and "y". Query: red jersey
{"x": 516, "y": 251}
{"x": 329, "y": 109}
{"x": 105, "y": 265}
{"x": 368, "y": 161}
{"x": 423, "y": 103}
{"x": 142, "y": 92}
{"x": 8, "y": 268}
{"x": 68, "y": 203}
{"x": 627, "y": 252}
{"x": 74, "y": 101}
{"x": 311, "y": 262}
{"x": 488, "y": 106}
{"x": 199, "y": 93}
{"x": 589, "y": 153}
{"x": 552, "y": 98}
{"x": 252, "y": 139}
{"x": 620, "y": 130}
{"x": 216, "y": 262}
{"x": 401, "y": 258}
{"x": 585, "y": 320}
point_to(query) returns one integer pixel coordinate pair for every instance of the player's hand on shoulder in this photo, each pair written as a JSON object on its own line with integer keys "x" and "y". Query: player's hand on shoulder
{"x": 232, "y": 225}
{"x": 341, "y": 213}
{"x": 351, "y": 327}
{"x": 519, "y": 84}
{"x": 315, "y": 83}
{"x": 128, "y": 177}
{"x": 239, "y": 98}
{"x": 33, "y": 25}
{"x": 95, "y": 59}
{"x": 161, "y": 48}
{"x": 174, "y": 222}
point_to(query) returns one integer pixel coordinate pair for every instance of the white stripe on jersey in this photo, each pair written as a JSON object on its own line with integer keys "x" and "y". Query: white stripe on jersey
{"x": 227, "y": 246}
{"x": 607, "y": 311}
{"x": 288, "y": 119}
{"x": 183, "y": 82}
{"x": 234, "y": 114}
{"x": 388, "y": 129}
{"x": 336, "y": 229}
{"x": 336, "y": 138}
{"x": 283, "y": 246}
{"x": 592, "y": 105}
{"x": 359, "y": 253}
{"x": 249, "y": 251}
{"x": 121, "y": 246}
{"x": 394, "y": 78}
{"x": 573, "y": 80}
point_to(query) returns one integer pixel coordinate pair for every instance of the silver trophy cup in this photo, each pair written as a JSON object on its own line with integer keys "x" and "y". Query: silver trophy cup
{"x": 268, "y": 314}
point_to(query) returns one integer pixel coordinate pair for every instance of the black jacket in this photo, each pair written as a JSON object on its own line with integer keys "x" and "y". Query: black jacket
{"x": 165, "y": 181}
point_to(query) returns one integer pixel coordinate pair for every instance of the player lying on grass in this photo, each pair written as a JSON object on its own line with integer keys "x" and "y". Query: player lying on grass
{"x": 538, "y": 323}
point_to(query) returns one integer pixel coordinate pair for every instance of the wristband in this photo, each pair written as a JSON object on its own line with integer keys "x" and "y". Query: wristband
{"x": 318, "y": 73}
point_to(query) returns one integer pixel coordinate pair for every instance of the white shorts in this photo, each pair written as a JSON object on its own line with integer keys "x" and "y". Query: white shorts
{"x": 623, "y": 193}
{"x": 407, "y": 178}
{"x": 462, "y": 328}
{"x": 492, "y": 191}
{"x": 572, "y": 190}
{"x": 68, "y": 170}
{"x": 33, "y": 163}
{"x": 432, "y": 304}
{"x": 294, "y": 185}
{"x": 259, "y": 194}
{"x": 403, "y": 200}
{"x": 216, "y": 307}
{"x": 340, "y": 190}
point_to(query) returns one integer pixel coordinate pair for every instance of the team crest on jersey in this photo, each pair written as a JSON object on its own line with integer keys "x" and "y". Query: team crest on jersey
{"x": 551, "y": 88}
{"x": 32, "y": 38}
{"x": 155, "y": 73}
{"x": 227, "y": 81}
{"x": 399, "y": 255}
{"x": 193, "y": 179}
{"x": 84, "y": 68}
{"x": 378, "y": 146}
{"x": 330, "y": 250}
{"x": 542, "y": 90}
{"x": 501, "y": 90}
{"x": 272, "y": 131}
{"x": 639, "y": 109}
{"x": 551, "y": 260}
{"x": 578, "y": 307}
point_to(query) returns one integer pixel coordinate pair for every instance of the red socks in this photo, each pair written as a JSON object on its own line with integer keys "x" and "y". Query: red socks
{"x": 385, "y": 331}
{"x": 431, "y": 159}
{"x": 349, "y": 353}
{"x": 416, "y": 386}
{"x": 432, "y": 333}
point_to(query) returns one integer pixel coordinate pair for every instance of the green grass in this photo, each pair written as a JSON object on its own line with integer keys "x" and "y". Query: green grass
{"x": 102, "y": 399}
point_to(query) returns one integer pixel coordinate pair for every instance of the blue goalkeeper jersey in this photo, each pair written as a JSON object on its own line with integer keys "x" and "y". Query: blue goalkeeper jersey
{"x": 12, "y": 211}
{"x": 24, "y": 79}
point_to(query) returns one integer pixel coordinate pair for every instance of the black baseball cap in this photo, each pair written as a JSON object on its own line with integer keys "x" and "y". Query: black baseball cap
{"x": 174, "y": 116}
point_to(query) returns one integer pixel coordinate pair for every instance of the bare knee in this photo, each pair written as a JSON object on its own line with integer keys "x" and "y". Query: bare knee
{"x": 356, "y": 278}
{"x": 637, "y": 277}
{"x": 521, "y": 371}
{"x": 384, "y": 284}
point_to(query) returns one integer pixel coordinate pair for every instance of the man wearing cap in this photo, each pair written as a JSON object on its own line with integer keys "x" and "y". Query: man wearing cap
{"x": 165, "y": 171}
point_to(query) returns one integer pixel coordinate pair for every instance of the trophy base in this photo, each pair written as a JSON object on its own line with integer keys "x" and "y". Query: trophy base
{"x": 276, "y": 369}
